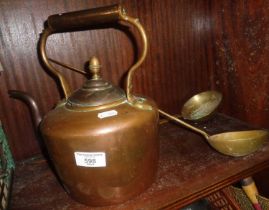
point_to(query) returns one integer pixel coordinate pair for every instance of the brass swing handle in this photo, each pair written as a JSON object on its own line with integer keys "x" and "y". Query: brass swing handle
{"x": 81, "y": 20}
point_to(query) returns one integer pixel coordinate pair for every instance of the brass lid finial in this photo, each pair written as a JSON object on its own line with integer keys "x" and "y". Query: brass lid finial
{"x": 94, "y": 66}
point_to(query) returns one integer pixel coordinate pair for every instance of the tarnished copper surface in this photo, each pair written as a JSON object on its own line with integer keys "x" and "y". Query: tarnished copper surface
{"x": 129, "y": 141}
{"x": 188, "y": 169}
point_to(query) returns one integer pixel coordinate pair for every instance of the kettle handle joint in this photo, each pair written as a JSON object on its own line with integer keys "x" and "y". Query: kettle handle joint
{"x": 80, "y": 20}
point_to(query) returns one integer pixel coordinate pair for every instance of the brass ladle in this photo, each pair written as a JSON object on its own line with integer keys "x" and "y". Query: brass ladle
{"x": 235, "y": 143}
{"x": 201, "y": 105}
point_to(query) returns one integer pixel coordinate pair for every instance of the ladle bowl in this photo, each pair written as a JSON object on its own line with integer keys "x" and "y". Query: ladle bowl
{"x": 201, "y": 105}
{"x": 238, "y": 143}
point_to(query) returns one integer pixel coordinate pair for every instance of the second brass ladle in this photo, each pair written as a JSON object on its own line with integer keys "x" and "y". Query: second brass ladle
{"x": 235, "y": 143}
{"x": 201, "y": 105}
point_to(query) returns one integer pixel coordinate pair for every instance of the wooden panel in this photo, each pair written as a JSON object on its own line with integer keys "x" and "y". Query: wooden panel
{"x": 178, "y": 64}
{"x": 241, "y": 40}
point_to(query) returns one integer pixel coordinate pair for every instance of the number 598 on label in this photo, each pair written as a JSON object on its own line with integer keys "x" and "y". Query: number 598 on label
{"x": 90, "y": 159}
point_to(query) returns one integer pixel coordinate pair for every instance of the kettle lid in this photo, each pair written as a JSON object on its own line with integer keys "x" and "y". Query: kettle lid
{"x": 95, "y": 92}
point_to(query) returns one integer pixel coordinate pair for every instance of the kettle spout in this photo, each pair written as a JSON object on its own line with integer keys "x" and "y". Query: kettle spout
{"x": 31, "y": 103}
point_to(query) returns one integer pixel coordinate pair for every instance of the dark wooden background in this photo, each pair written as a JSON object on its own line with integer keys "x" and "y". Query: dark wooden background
{"x": 195, "y": 45}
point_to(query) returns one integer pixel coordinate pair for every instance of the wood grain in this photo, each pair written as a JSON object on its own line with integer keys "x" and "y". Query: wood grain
{"x": 241, "y": 50}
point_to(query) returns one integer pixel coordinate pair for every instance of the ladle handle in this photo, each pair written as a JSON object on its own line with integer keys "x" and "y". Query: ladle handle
{"x": 81, "y": 20}
{"x": 185, "y": 124}
{"x": 78, "y": 20}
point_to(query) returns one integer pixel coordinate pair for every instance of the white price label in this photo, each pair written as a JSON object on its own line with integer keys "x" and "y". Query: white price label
{"x": 90, "y": 159}
{"x": 110, "y": 113}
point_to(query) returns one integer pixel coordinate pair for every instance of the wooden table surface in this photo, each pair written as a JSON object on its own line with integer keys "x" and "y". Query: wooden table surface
{"x": 189, "y": 169}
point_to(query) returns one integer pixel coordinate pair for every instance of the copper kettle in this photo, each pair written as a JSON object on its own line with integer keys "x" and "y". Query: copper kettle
{"x": 102, "y": 141}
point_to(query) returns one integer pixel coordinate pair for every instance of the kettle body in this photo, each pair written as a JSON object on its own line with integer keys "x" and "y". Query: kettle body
{"x": 103, "y": 160}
